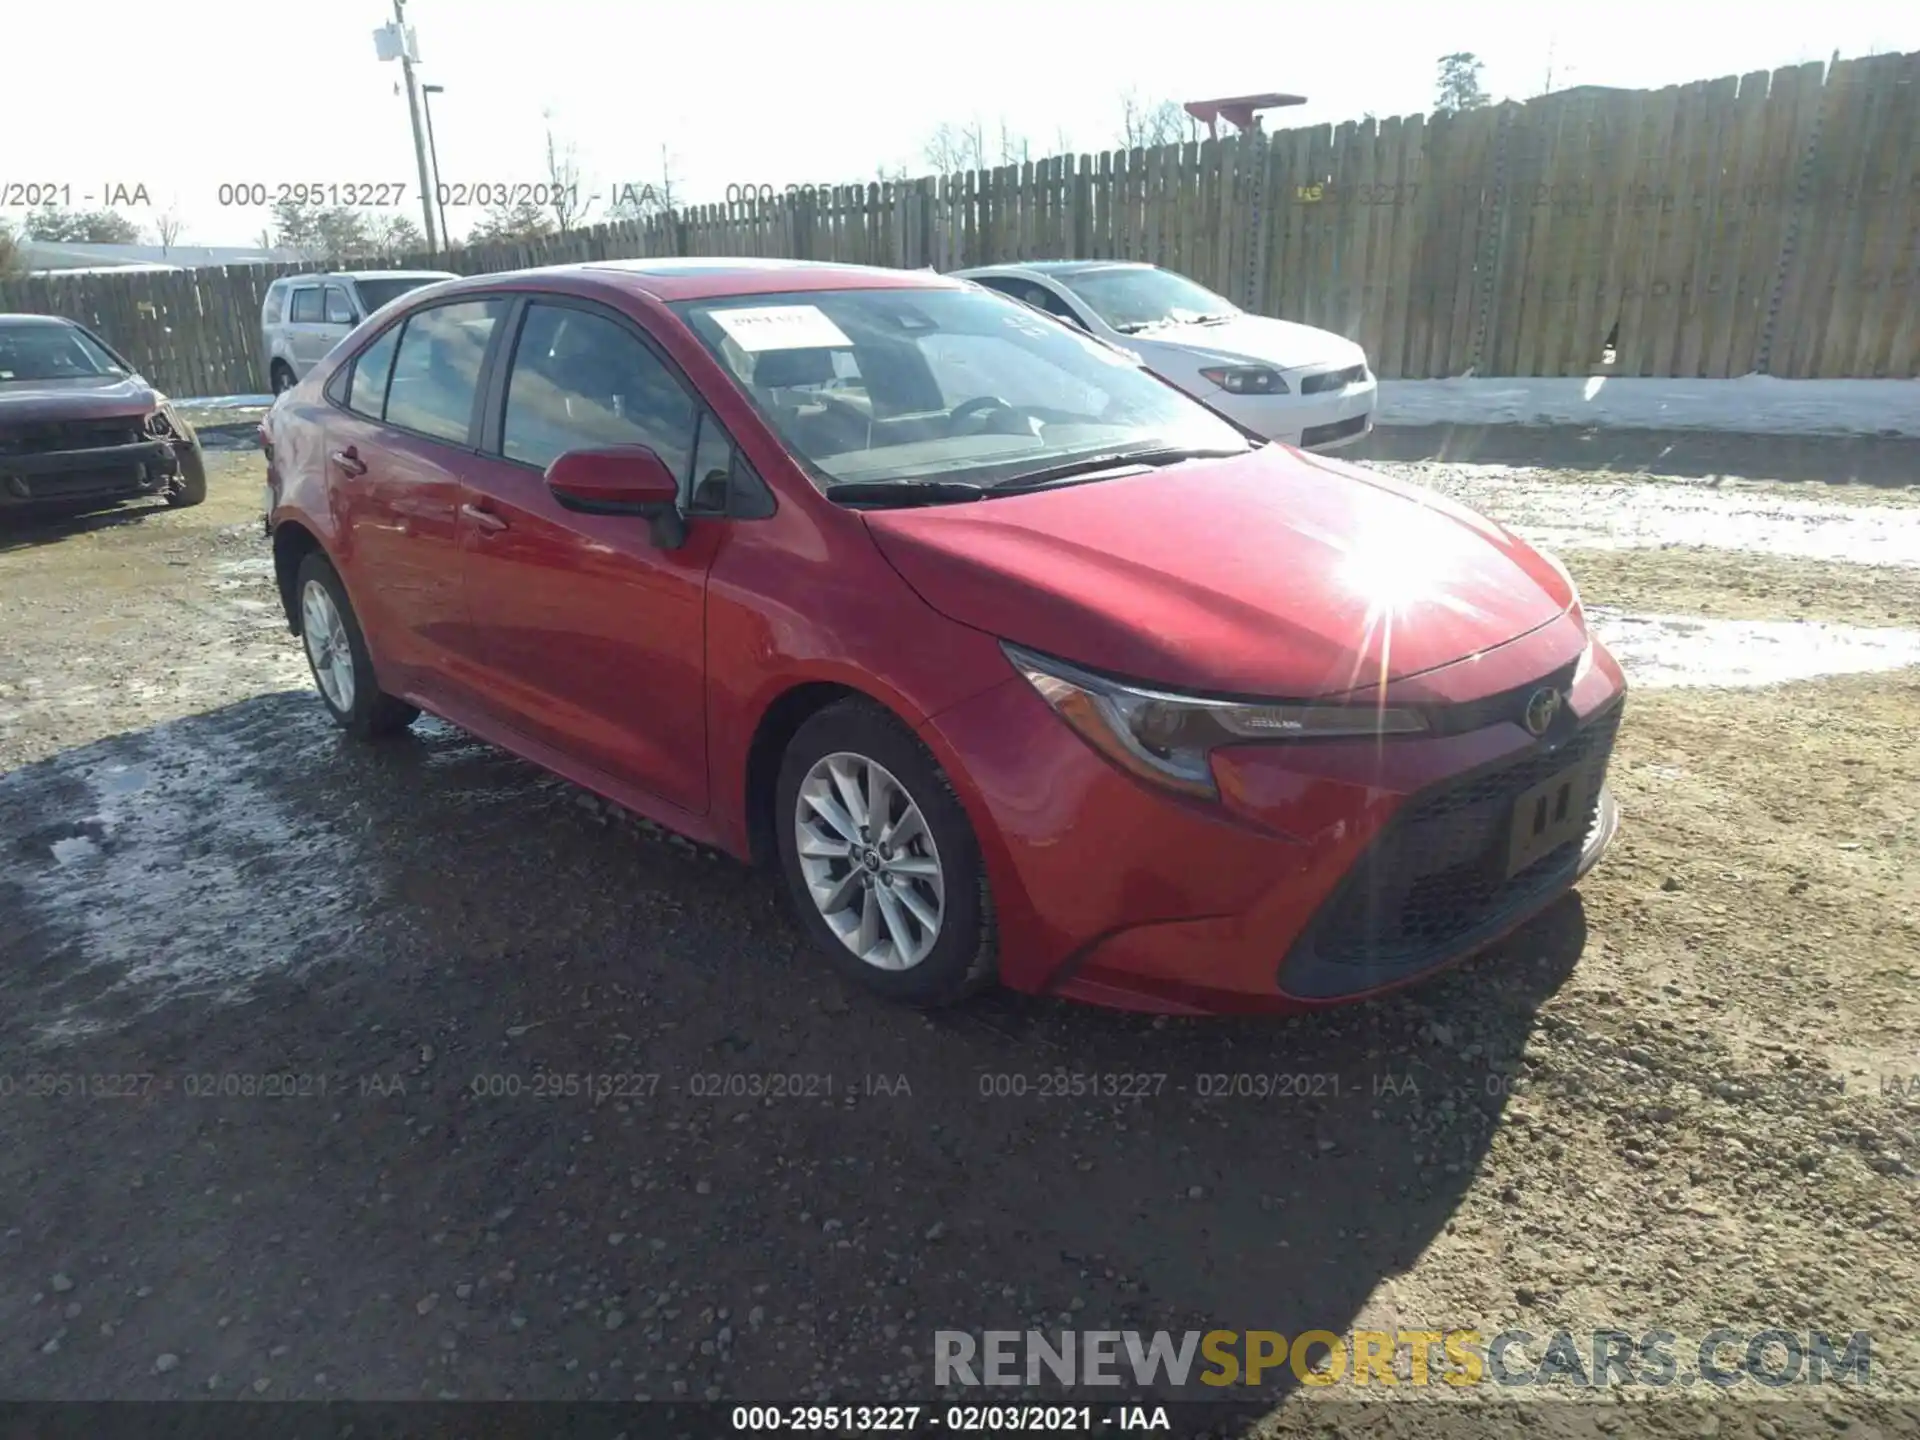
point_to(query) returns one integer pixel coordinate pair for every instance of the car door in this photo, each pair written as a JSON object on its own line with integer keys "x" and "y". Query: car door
{"x": 340, "y": 316}
{"x": 306, "y": 317}
{"x": 399, "y": 442}
{"x": 594, "y": 638}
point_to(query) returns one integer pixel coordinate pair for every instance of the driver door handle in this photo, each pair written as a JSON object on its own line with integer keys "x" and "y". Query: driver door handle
{"x": 349, "y": 460}
{"x": 485, "y": 521}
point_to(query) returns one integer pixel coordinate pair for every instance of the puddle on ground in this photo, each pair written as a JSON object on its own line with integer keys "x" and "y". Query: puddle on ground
{"x": 1664, "y": 651}
{"x": 74, "y": 849}
{"x": 1654, "y": 513}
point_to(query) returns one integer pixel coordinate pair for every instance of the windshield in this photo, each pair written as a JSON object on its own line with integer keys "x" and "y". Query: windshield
{"x": 1132, "y": 298}
{"x": 913, "y": 385}
{"x": 375, "y": 293}
{"x": 51, "y": 352}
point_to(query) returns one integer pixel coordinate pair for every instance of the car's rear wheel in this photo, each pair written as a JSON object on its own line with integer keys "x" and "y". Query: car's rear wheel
{"x": 882, "y": 864}
{"x": 190, "y": 488}
{"x": 282, "y": 376}
{"x": 337, "y": 653}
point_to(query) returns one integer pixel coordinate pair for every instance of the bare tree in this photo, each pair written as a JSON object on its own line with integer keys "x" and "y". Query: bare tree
{"x": 953, "y": 148}
{"x": 395, "y": 234}
{"x": 167, "y": 228}
{"x": 1144, "y": 125}
{"x": 644, "y": 199}
{"x": 526, "y": 220}
{"x": 1014, "y": 149}
{"x": 564, "y": 199}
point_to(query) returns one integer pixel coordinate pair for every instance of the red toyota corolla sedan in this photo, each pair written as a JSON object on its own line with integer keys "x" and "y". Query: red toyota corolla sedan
{"x": 1018, "y": 662}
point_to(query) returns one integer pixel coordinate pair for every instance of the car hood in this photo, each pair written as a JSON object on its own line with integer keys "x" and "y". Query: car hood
{"x": 1279, "y": 343}
{"x": 84, "y": 397}
{"x": 1268, "y": 574}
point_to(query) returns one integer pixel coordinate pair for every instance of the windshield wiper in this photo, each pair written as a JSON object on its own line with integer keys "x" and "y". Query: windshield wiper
{"x": 895, "y": 494}
{"x": 1137, "y": 326}
{"x": 1092, "y": 464}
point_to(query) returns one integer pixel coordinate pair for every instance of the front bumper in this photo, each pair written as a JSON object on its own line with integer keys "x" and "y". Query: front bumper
{"x": 1115, "y": 893}
{"x": 1329, "y": 420}
{"x": 99, "y": 473}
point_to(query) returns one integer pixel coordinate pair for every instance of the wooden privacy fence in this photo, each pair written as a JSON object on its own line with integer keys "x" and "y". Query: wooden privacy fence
{"x": 1765, "y": 223}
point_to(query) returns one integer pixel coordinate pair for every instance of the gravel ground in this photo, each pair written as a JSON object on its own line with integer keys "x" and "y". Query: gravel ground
{"x": 405, "y": 1072}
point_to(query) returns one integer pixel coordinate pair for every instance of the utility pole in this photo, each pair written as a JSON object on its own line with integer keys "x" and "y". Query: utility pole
{"x": 427, "y": 92}
{"x": 427, "y": 190}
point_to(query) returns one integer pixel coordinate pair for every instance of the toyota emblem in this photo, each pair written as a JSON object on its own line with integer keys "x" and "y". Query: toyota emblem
{"x": 1542, "y": 706}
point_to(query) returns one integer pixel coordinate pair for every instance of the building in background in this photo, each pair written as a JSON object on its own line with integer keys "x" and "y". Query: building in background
{"x": 44, "y": 256}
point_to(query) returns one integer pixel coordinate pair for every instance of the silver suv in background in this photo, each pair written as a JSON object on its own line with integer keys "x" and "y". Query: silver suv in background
{"x": 305, "y": 316}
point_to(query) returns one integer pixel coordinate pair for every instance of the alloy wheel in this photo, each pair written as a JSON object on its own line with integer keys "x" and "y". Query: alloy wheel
{"x": 870, "y": 863}
{"x": 328, "y": 647}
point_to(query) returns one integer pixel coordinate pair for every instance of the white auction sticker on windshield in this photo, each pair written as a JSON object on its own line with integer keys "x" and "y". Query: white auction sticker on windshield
{"x": 781, "y": 327}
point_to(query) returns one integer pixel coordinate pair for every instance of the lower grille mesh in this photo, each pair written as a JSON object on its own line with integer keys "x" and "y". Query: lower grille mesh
{"x": 1437, "y": 873}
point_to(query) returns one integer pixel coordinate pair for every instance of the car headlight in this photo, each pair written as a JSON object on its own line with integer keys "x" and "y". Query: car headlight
{"x": 1580, "y": 670}
{"x": 1167, "y": 738}
{"x": 1573, "y": 586}
{"x": 1246, "y": 379}
{"x": 163, "y": 424}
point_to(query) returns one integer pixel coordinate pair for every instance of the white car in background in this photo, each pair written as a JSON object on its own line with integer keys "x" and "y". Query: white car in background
{"x": 305, "y": 316}
{"x": 1288, "y": 382}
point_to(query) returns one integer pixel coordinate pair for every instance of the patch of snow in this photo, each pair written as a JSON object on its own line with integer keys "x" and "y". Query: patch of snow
{"x": 223, "y": 402}
{"x": 1634, "y": 515}
{"x": 1752, "y": 404}
{"x": 1662, "y": 651}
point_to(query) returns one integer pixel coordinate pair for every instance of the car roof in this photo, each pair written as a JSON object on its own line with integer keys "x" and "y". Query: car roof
{"x": 317, "y": 275}
{"x": 25, "y": 320}
{"x": 694, "y": 277}
{"x": 1054, "y": 267}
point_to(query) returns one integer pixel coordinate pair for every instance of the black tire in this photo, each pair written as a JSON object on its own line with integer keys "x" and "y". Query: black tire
{"x": 281, "y": 377}
{"x": 191, "y": 487}
{"x": 964, "y": 955}
{"x": 373, "y": 712}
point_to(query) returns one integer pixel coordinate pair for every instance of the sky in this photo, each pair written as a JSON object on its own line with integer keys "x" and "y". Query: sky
{"x": 772, "y": 92}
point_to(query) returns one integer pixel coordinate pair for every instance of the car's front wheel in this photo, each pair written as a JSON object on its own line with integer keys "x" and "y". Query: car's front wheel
{"x": 190, "y": 488}
{"x": 882, "y": 864}
{"x": 337, "y": 652}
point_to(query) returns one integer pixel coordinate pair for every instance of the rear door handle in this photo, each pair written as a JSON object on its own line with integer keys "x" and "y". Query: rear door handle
{"x": 488, "y": 522}
{"x": 349, "y": 461}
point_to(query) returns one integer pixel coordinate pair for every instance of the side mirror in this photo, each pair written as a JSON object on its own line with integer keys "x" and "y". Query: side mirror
{"x": 621, "y": 480}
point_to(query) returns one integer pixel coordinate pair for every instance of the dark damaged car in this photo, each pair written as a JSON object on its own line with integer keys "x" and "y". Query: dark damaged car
{"x": 79, "y": 426}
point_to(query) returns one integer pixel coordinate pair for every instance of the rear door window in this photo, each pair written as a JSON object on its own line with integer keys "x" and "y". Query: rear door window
{"x": 436, "y": 371}
{"x": 339, "y": 307}
{"x": 306, "y": 308}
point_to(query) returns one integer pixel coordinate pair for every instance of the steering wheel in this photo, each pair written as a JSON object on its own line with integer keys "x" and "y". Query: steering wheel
{"x": 980, "y": 405}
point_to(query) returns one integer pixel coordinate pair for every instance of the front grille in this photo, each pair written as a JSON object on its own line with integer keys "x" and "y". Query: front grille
{"x": 51, "y": 436}
{"x": 1435, "y": 879}
{"x": 1338, "y": 430}
{"x": 1325, "y": 380}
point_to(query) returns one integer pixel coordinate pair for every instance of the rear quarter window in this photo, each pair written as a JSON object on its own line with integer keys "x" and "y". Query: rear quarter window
{"x": 367, "y": 391}
{"x": 275, "y": 307}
